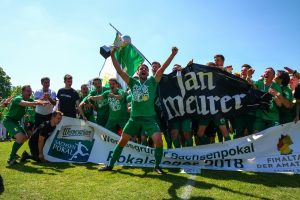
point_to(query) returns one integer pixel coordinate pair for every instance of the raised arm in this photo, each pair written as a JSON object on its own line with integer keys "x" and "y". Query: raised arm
{"x": 250, "y": 72}
{"x": 161, "y": 70}
{"x": 6, "y": 102}
{"x": 80, "y": 110}
{"x": 34, "y": 103}
{"x": 117, "y": 96}
{"x": 293, "y": 72}
{"x": 95, "y": 98}
{"x": 118, "y": 68}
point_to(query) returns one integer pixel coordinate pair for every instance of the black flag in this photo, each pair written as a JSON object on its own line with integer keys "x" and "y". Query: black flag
{"x": 202, "y": 92}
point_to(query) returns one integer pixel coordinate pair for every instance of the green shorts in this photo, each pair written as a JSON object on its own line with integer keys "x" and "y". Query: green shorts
{"x": 101, "y": 120}
{"x": 147, "y": 125}
{"x": 262, "y": 124}
{"x": 13, "y": 127}
{"x": 184, "y": 125}
{"x": 243, "y": 122}
{"x": 113, "y": 124}
{"x": 217, "y": 122}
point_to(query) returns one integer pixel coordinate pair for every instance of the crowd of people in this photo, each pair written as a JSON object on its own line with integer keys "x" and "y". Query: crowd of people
{"x": 135, "y": 113}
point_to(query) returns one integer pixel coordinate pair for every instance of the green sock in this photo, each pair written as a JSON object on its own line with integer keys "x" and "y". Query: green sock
{"x": 189, "y": 142}
{"x": 227, "y": 138}
{"x": 16, "y": 146}
{"x": 116, "y": 155}
{"x": 158, "y": 153}
{"x": 176, "y": 143}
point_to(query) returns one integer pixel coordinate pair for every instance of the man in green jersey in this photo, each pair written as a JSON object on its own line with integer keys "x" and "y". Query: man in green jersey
{"x": 12, "y": 119}
{"x": 86, "y": 110}
{"x": 266, "y": 119}
{"x": 285, "y": 96}
{"x": 142, "y": 115}
{"x": 101, "y": 106}
{"x": 118, "y": 115}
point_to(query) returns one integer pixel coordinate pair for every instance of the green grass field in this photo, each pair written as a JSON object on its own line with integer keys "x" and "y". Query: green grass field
{"x": 31, "y": 180}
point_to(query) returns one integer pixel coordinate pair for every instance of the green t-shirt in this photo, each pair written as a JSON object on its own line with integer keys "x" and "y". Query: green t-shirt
{"x": 16, "y": 112}
{"x": 273, "y": 113}
{"x": 101, "y": 106}
{"x": 286, "y": 114}
{"x": 29, "y": 116}
{"x": 143, "y": 94}
{"x": 117, "y": 108}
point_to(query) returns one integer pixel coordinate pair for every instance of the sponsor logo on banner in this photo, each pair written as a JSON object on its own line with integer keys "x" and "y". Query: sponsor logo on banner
{"x": 284, "y": 145}
{"x": 73, "y": 143}
{"x": 286, "y": 161}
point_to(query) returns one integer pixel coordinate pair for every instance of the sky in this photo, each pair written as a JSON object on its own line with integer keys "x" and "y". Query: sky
{"x": 53, "y": 38}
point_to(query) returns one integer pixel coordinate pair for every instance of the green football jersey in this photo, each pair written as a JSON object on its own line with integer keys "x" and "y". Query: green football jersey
{"x": 143, "y": 94}
{"x": 117, "y": 108}
{"x": 101, "y": 106}
{"x": 16, "y": 112}
{"x": 273, "y": 112}
{"x": 286, "y": 114}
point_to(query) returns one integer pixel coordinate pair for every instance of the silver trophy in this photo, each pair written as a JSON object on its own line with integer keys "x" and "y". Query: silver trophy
{"x": 121, "y": 42}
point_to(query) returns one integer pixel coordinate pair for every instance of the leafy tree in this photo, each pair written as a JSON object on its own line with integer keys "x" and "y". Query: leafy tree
{"x": 5, "y": 84}
{"x": 16, "y": 90}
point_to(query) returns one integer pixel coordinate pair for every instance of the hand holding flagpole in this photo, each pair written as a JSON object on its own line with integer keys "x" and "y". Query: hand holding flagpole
{"x": 120, "y": 35}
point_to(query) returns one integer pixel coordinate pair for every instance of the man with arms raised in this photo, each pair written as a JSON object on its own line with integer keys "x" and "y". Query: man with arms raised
{"x": 142, "y": 115}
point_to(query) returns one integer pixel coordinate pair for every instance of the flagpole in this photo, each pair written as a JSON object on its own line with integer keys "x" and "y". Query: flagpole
{"x": 141, "y": 54}
{"x": 102, "y": 67}
{"x": 132, "y": 44}
{"x": 115, "y": 29}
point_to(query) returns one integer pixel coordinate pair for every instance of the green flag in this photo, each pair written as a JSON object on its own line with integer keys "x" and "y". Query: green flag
{"x": 129, "y": 57}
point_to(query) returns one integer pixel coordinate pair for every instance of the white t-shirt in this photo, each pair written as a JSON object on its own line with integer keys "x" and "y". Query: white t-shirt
{"x": 48, "y": 108}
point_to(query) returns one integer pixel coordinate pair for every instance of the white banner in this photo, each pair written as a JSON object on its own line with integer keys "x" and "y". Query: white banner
{"x": 276, "y": 149}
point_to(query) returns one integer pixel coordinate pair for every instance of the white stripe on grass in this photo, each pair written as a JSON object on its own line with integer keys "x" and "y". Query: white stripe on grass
{"x": 187, "y": 190}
